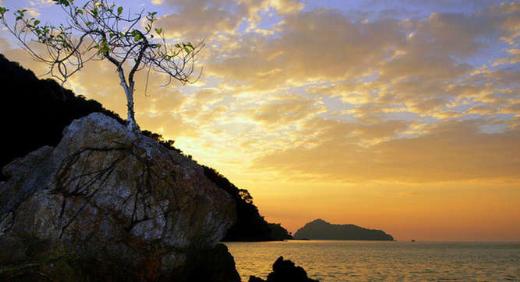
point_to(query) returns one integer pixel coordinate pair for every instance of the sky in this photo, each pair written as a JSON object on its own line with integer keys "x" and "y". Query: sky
{"x": 401, "y": 115}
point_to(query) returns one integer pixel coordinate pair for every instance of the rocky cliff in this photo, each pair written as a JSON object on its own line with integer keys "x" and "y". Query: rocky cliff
{"x": 109, "y": 204}
{"x": 34, "y": 112}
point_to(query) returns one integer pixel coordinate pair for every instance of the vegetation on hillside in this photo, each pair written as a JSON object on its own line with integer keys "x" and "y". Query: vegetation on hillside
{"x": 250, "y": 225}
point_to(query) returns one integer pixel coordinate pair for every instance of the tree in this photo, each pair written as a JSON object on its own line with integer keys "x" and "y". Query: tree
{"x": 99, "y": 30}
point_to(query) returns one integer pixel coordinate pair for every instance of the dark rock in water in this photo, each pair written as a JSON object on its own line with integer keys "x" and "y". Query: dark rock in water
{"x": 107, "y": 204}
{"x": 322, "y": 230}
{"x": 284, "y": 271}
{"x": 214, "y": 265}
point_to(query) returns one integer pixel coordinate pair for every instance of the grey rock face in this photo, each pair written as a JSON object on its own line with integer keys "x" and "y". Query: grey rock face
{"x": 105, "y": 192}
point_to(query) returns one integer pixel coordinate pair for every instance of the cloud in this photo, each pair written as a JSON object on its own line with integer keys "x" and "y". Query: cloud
{"x": 452, "y": 151}
{"x": 306, "y": 49}
{"x": 376, "y": 104}
{"x": 356, "y": 91}
{"x": 4, "y": 45}
{"x": 286, "y": 110}
{"x": 197, "y": 19}
{"x": 205, "y": 19}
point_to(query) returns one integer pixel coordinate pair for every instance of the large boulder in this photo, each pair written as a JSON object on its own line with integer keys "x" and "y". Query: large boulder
{"x": 285, "y": 271}
{"x": 107, "y": 202}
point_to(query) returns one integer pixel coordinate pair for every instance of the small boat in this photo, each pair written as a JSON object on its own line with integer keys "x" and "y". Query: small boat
{"x": 413, "y": 241}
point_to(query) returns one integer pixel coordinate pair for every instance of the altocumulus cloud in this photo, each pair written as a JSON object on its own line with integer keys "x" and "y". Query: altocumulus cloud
{"x": 342, "y": 93}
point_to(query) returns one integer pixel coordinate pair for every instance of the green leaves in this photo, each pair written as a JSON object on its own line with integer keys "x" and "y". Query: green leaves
{"x": 137, "y": 35}
{"x": 119, "y": 11}
{"x": 20, "y": 14}
{"x": 42, "y": 32}
{"x": 186, "y": 46}
{"x": 103, "y": 48}
{"x": 65, "y": 3}
{"x": 3, "y": 10}
{"x": 152, "y": 16}
{"x": 159, "y": 31}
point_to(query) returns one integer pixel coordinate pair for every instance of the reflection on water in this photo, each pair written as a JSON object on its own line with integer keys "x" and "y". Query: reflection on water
{"x": 356, "y": 260}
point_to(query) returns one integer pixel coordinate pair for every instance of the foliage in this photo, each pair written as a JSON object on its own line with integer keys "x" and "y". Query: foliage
{"x": 159, "y": 138}
{"x": 250, "y": 225}
{"x": 278, "y": 232}
{"x": 102, "y": 30}
{"x": 99, "y": 29}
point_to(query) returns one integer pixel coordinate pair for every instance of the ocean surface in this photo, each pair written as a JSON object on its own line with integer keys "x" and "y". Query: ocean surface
{"x": 395, "y": 261}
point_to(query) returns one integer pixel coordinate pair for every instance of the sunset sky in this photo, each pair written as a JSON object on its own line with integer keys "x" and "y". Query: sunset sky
{"x": 396, "y": 115}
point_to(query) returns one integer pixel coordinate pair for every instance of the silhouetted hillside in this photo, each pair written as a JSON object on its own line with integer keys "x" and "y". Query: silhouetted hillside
{"x": 278, "y": 232}
{"x": 250, "y": 226}
{"x": 34, "y": 112}
{"x": 321, "y": 230}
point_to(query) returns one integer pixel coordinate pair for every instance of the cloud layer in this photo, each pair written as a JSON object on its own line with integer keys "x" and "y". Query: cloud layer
{"x": 313, "y": 94}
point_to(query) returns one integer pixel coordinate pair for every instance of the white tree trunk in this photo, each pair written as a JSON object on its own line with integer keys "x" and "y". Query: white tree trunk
{"x": 131, "y": 124}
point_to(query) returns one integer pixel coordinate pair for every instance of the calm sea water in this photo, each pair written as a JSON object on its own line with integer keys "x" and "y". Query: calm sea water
{"x": 361, "y": 261}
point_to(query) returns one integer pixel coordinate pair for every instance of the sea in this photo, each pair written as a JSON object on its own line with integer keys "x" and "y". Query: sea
{"x": 336, "y": 261}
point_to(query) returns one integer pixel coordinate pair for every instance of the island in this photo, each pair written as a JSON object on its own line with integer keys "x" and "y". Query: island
{"x": 320, "y": 229}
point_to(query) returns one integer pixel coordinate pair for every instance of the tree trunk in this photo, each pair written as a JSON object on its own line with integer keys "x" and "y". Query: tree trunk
{"x": 131, "y": 124}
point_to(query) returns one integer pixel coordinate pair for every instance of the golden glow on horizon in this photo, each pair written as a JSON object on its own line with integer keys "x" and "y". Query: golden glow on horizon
{"x": 407, "y": 125}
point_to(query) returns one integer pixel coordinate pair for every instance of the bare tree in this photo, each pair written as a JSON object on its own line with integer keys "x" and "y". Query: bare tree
{"x": 98, "y": 30}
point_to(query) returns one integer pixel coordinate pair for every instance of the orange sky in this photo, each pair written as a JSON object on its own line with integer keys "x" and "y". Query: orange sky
{"x": 402, "y": 120}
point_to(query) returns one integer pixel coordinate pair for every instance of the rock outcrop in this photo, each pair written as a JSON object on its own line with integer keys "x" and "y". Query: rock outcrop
{"x": 107, "y": 204}
{"x": 41, "y": 109}
{"x": 285, "y": 271}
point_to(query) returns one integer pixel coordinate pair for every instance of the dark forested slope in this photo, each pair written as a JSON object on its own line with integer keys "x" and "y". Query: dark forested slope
{"x": 34, "y": 112}
{"x": 250, "y": 226}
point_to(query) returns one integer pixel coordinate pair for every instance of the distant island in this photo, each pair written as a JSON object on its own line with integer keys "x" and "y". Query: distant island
{"x": 319, "y": 229}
